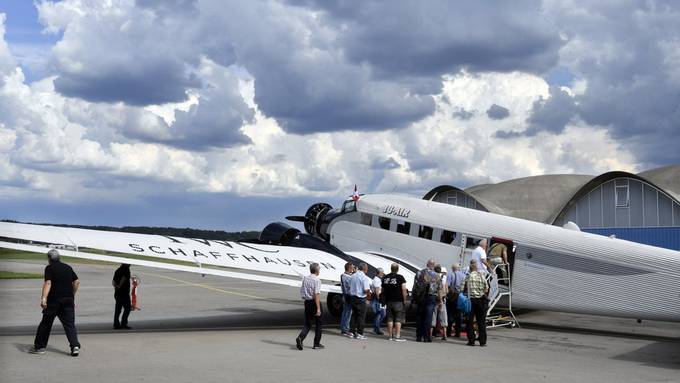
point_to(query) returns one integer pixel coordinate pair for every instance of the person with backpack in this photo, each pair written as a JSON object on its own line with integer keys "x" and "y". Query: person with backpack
{"x": 477, "y": 289}
{"x": 455, "y": 279}
{"x": 426, "y": 294}
{"x": 439, "y": 314}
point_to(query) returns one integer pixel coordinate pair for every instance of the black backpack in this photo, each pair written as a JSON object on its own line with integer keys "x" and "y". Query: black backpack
{"x": 421, "y": 287}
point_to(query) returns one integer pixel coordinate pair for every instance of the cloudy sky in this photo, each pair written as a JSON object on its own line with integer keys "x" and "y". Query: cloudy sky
{"x": 231, "y": 114}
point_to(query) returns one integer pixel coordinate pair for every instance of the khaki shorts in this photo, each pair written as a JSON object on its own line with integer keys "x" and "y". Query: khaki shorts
{"x": 395, "y": 312}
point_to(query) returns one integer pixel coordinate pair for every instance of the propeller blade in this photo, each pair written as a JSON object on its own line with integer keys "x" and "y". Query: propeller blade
{"x": 296, "y": 218}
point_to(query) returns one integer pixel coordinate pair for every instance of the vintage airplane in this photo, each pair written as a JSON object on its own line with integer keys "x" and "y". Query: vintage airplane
{"x": 552, "y": 268}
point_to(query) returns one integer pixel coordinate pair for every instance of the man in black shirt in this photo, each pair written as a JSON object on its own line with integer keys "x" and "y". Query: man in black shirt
{"x": 394, "y": 292}
{"x": 59, "y": 288}
{"x": 121, "y": 285}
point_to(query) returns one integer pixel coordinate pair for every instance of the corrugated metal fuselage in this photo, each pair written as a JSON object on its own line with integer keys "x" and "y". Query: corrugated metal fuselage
{"x": 553, "y": 269}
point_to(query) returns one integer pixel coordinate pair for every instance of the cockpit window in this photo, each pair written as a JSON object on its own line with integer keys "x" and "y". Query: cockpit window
{"x": 349, "y": 206}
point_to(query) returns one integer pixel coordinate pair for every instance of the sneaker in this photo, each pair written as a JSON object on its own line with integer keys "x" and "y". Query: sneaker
{"x": 39, "y": 351}
{"x": 318, "y": 346}
{"x": 399, "y": 339}
{"x": 378, "y": 332}
{"x": 349, "y": 335}
{"x": 75, "y": 351}
{"x": 360, "y": 337}
{"x": 298, "y": 343}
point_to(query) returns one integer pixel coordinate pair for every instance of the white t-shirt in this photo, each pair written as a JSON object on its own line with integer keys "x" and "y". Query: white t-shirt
{"x": 479, "y": 255}
{"x": 376, "y": 284}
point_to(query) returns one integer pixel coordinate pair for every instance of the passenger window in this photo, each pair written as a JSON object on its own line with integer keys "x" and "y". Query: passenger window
{"x": 471, "y": 242}
{"x": 403, "y": 227}
{"x": 384, "y": 223}
{"x": 425, "y": 232}
{"x": 448, "y": 237}
{"x": 366, "y": 219}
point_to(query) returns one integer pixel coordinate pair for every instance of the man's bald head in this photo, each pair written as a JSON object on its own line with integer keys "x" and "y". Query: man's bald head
{"x": 430, "y": 263}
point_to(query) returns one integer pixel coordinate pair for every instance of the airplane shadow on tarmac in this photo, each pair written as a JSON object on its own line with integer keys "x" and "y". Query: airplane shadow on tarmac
{"x": 243, "y": 318}
{"x": 658, "y": 354}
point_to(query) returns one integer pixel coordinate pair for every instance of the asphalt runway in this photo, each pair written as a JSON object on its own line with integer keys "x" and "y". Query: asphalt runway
{"x": 211, "y": 329}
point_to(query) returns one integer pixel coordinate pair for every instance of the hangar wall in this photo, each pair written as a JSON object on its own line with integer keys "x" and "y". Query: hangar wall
{"x": 627, "y": 207}
{"x": 622, "y": 203}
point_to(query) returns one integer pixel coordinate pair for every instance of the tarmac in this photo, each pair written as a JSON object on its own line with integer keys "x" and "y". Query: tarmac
{"x": 210, "y": 329}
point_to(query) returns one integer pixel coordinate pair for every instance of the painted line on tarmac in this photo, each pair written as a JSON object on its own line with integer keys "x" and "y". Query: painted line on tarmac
{"x": 216, "y": 289}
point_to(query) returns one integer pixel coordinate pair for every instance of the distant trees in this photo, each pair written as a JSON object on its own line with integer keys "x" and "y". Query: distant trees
{"x": 169, "y": 231}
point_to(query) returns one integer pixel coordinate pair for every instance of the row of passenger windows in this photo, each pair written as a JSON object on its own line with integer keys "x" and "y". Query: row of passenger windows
{"x": 404, "y": 227}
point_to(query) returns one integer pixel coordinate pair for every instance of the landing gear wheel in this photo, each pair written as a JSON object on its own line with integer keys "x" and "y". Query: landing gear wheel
{"x": 335, "y": 302}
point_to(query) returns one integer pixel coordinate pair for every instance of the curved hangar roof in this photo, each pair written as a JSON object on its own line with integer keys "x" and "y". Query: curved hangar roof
{"x": 546, "y": 198}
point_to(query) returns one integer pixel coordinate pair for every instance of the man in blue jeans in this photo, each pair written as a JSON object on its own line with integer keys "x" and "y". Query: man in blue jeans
{"x": 345, "y": 279}
{"x": 376, "y": 305}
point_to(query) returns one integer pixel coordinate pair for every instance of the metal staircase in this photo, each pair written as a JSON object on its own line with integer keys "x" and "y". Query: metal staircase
{"x": 500, "y": 288}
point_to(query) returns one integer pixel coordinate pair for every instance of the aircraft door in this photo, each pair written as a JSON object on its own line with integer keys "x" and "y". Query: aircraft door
{"x": 501, "y": 255}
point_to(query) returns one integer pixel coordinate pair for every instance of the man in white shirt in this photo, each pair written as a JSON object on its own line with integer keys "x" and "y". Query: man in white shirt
{"x": 479, "y": 256}
{"x": 310, "y": 291}
{"x": 345, "y": 280}
{"x": 360, "y": 288}
{"x": 376, "y": 305}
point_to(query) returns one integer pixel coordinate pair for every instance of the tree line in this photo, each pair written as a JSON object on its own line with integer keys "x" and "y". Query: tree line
{"x": 169, "y": 231}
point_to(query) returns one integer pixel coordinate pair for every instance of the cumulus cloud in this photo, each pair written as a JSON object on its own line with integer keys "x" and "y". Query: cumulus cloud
{"x": 497, "y": 112}
{"x": 119, "y": 53}
{"x": 626, "y": 54}
{"x": 7, "y": 62}
{"x": 404, "y": 38}
{"x": 302, "y": 98}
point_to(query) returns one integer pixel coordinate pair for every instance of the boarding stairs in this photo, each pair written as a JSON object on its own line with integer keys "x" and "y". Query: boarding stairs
{"x": 496, "y": 315}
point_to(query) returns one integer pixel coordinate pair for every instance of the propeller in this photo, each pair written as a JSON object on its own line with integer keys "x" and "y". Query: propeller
{"x": 296, "y": 218}
{"x": 312, "y": 218}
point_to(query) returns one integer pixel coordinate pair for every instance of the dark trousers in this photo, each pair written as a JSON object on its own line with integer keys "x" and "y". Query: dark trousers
{"x": 358, "y": 315}
{"x": 455, "y": 318}
{"x": 311, "y": 318}
{"x": 424, "y": 318}
{"x": 122, "y": 302}
{"x": 65, "y": 310}
{"x": 478, "y": 313}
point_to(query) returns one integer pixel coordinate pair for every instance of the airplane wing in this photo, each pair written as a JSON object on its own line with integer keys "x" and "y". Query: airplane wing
{"x": 265, "y": 263}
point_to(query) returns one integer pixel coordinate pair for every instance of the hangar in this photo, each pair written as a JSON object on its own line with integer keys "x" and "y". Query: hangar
{"x": 643, "y": 207}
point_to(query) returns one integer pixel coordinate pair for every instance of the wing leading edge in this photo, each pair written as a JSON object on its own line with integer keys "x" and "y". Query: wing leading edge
{"x": 265, "y": 263}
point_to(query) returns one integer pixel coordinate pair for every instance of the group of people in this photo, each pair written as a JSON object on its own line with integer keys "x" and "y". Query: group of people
{"x": 435, "y": 293}
{"x": 387, "y": 295}
{"x": 58, "y": 301}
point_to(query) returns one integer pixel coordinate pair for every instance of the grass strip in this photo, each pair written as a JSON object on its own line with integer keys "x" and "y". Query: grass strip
{"x": 13, "y": 275}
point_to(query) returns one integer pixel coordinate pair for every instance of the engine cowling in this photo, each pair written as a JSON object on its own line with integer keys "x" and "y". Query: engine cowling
{"x": 278, "y": 233}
